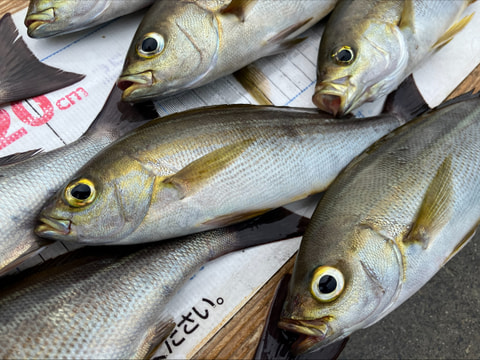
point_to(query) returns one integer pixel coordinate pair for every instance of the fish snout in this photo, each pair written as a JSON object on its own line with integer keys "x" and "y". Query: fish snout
{"x": 311, "y": 333}
{"x": 51, "y": 228}
{"x": 35, "y": 20}
{"x": 129, "y": 83}
{"x": 329, "y": 103}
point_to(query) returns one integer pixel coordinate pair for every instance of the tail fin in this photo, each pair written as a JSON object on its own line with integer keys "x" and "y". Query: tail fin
{"x": 275, "y": 343}
{"x": 406, "y": 102}
{"x": 23, "y": 75}
{"x": 275, "y": 225}
{"x": 118, "y": 118}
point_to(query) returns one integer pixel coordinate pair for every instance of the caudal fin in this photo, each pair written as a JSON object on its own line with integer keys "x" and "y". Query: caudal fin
{"x": 406, "y": 102}
{"x": 22, "y": 74}
{"x": 118, "y": 118}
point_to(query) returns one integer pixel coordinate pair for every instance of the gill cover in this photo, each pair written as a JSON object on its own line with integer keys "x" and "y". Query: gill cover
{"x": 174, "y": 48}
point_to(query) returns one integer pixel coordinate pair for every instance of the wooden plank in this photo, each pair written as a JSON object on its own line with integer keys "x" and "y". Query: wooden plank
{"x": 12, "y": 6}
{"x": 471, "y": 83}
{"x": 239, "y": 338}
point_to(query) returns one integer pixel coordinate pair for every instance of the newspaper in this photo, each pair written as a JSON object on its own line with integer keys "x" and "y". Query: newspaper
{"x": 223, "y": 286}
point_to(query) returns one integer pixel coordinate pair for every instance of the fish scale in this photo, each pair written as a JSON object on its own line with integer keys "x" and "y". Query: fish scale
{"x": 381, "y": 43}
{"x": 389, "y": 222}
{"x": 254, "y": 150}
{"x": 109, "y": 303}
{"x": 200, "y": 41}
{"x": 47, "y": 18}
{"x": 28, "y": 180}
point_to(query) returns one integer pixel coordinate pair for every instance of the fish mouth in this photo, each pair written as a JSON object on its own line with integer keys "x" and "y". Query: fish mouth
{"x": 51, "y": 228}
{"x": 35, "y": 20}
{"x": 331, "y": 97}
{"x": 311, "y": 333}
{"x": 131, "y": 83}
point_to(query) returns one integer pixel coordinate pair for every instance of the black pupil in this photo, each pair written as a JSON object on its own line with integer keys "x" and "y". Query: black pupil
{"x": 81, "y": 192}
{"x": 344, "y": 55}
{"x": 327, "y": 284}
{"x": 149, "y": 45}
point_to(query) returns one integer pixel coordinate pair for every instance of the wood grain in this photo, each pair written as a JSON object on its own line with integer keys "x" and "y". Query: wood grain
{"x": 238, "y": 339}
{"x": 12, "y": 6}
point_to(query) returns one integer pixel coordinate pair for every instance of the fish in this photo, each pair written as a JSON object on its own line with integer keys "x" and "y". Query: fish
{"x": 110, "y": 303}
{"x": 181, "y": 45}
{"x": 386, "y": 225}
{"x": 22, "y": 75}
{"x": 275, "y": 343}
{"x": 205, "y": 168}
{"x": 29, "y": 179}
{"x": 46, "y": 18}
{"x": 369, "y": 47}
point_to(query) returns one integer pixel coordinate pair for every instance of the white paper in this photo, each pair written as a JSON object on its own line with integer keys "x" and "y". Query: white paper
{"x": 99, "y": 53}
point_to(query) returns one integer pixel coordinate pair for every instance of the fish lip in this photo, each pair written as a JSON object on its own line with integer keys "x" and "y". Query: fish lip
{"x": 311, "y": 333}
{"x": 53, "y": 228}
{"x": 132, "y": 82}
{"x": 323, "y": 98}
{"x": 35, "y": 20}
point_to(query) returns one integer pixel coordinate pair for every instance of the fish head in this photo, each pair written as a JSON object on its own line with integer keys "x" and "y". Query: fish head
{"x": 338, "y": 288}
{"x": 359, "y": 66}
{"x": 52, "y": 17}
{"x": 102, "y": 204}
{"x": 170, "y": 52}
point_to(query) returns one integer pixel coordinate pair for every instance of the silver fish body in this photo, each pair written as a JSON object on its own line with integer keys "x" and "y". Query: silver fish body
{"x": 205, "y": 168}
{"x": 370, "y": 46}
{"x": 25, "y": 185}
{"x": 109, "y": 303}
{"x": 184, "y": 44}
{"x": 386, "y": 225}
{"x": 47, "y": 18}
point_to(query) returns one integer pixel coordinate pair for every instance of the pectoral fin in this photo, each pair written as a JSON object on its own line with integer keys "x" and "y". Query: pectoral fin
{"x": 435, "y": 209}
{"x": 196, "y": 174}
{"x": 407, "y": 19}
{"x": 238, "y": 8}
{"x": 452, "y": 31}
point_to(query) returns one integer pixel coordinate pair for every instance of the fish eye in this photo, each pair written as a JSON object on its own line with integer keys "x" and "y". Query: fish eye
{"x": 80, "y": 193}
{"x": 327, "y": 283}
{"x": 344, "y": 55}
{"x": 151, "y": 45}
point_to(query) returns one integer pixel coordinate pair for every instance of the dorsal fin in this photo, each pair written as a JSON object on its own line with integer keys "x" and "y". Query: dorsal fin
{"x": 17, "y": 157}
